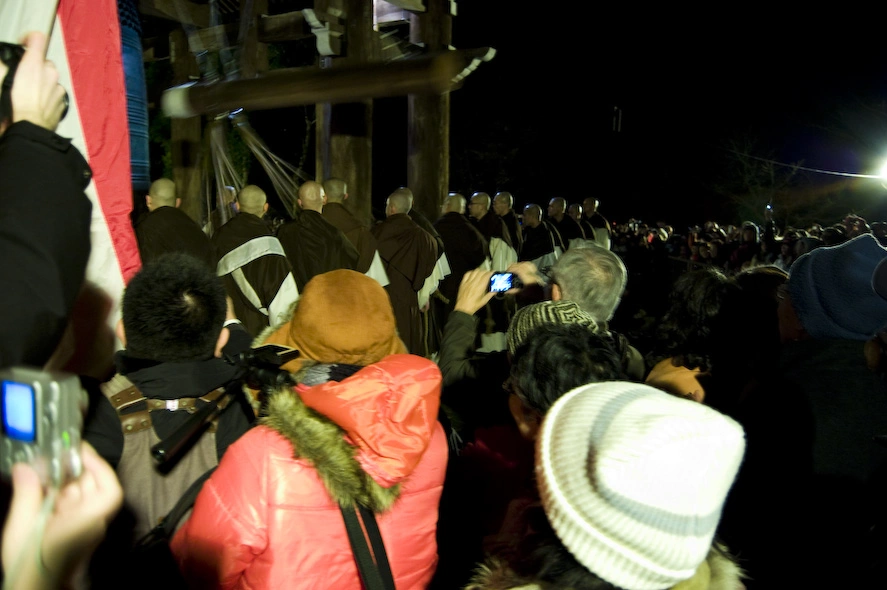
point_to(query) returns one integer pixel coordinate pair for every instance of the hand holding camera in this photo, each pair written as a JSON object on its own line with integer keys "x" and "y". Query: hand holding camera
{"x": 474, "y": 291}
{"x": 43, "y": 549}
{"x": 30, "y": 89}
{"x": 42, "y": 415}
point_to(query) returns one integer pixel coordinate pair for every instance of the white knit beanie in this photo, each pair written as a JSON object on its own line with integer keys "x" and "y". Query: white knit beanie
{"x": 633, "y": 480}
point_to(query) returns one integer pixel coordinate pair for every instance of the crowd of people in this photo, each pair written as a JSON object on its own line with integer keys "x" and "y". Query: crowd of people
{"x": 643, "y": 409}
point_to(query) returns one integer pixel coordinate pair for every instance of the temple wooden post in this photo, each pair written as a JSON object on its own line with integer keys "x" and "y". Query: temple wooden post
{"x": 428, "y": 117}
{"x": 254, "y": 54}
{"x": 186, "y": 134}
{"x": 345, "y": 130}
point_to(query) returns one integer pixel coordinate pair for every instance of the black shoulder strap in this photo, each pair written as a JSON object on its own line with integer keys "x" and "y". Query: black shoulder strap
{"x": 171, "y": 520}
{"x": 375, "y": 574}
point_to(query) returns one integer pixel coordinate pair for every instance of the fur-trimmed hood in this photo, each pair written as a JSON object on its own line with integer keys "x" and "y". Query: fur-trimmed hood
{"x": 718, "y": 572}
{"x": 365, "y": 434}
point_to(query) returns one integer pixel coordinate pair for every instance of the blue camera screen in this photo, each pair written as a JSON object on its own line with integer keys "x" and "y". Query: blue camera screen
{"x": 19, "y": 416}
{"x": 500, "y": 282}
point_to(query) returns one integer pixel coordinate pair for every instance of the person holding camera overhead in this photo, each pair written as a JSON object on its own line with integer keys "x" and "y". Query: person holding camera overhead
{"x": 44, "y": 237}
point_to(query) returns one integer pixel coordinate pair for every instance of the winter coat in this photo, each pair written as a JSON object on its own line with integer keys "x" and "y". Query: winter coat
{"x": 269, "y": 516}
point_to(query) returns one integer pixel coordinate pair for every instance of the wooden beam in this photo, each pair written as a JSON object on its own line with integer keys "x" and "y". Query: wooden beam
{"x": 301, "y": 86}
{"x": 292, "y": 26}
{"x": 214, "y": 38}
{"x": 177, "y": 10}
{"x": 411, "y": 5}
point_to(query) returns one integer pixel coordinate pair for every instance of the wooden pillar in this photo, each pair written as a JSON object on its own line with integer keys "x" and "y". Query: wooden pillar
{"x": 254, "y": 54}
{"x": 345, "y": 131}
{"x": 428, "y": 125}
{"x": 186, "y": 133}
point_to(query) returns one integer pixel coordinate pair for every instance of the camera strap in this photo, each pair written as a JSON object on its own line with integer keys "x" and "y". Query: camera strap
{"x": 372, "y": 565}
{"x": 134, "y": 409}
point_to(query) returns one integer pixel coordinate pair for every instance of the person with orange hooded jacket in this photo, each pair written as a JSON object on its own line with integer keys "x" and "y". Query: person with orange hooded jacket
{"x": 359, "y": 428}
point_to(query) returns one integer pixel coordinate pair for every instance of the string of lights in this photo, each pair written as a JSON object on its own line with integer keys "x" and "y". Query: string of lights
{"x": 805, "y": 168}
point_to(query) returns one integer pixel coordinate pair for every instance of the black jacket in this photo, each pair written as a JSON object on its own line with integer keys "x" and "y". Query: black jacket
{"x": 170, "y": 381}
{"x": 44, "y": 236}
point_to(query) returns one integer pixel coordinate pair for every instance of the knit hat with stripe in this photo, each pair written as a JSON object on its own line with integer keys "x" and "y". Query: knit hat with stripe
{"x": 633, "y": 480}
{"x": 528, "y": 318}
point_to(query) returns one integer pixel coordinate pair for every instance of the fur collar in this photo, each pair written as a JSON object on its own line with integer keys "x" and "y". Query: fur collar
{"x": 718, "y": 572}
{"x": 318, "y": 440}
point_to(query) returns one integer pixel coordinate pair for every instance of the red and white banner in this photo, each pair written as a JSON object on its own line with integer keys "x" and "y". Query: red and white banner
{"x": 86, "y": 49}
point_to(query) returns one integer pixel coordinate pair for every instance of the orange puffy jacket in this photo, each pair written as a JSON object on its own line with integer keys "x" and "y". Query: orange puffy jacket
{"x": 268, "y": 517}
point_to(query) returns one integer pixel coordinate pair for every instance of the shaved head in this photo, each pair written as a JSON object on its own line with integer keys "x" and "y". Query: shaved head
{"x": 251, "y": 199}
{"x": 556, "y": 208}
{"x": 311, "y": 196}
{"x": 532, "y": 215}
{"x": 400, "y": 201}
{"x": 502, "y": 203}
{"x": 336, "y": 190}
{"x": 479, "y": 205}
{"x": 454, "y": 203}
{"x": 161, "y": 194}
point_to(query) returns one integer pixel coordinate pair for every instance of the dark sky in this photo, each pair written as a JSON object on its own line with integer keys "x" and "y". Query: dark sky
{"x": 799, "y": 88}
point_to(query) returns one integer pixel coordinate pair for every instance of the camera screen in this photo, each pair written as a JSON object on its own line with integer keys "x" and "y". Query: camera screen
{"x": 500, "y": 282}
{"x": 19, "y": 416}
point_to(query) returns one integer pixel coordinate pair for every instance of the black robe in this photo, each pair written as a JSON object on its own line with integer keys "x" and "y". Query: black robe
{"x": 409, "y": 254}
{"x": 491, "y": 226}
{"x": 466, "y": 249}
{"x": 568, "y": 229}
{"x": 315, "y": 246}
{"x": 268, "y": 273}
{"x": 357, "y": 233}
{"x": 514, "y": 230}
{"x": 168, "y": 229}
{"x": 538, "y": 241}
{"x": 44, "y": 236}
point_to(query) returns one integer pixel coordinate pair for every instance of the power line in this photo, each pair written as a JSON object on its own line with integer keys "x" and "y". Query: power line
{"x": 816, "y": 170}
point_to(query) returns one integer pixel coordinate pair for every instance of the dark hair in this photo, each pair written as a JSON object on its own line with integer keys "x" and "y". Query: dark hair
{"x": 556, "y": 358}
{"x": 173, "y": 310}
{"x": 696, "y": 302}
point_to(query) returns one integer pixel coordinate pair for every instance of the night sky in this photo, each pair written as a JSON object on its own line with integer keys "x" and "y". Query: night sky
{"x": 797, "y": 88}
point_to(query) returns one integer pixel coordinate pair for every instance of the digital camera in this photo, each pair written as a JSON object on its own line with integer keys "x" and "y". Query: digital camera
{"x": 501, "y": 282}
{"x": 42, "y": 415}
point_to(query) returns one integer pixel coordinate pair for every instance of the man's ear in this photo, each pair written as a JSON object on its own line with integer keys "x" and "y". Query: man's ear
{"x": 299, "y": 201}
{"x": 222, "y": 341}
{"x": 556, "y": 292}
{"x": 527, "y": 420}
{"x": 120, "y": 332}
{"x": 148, "y": 201}
{"x": 265, "y": 208}
{"x": 178, "y": 202}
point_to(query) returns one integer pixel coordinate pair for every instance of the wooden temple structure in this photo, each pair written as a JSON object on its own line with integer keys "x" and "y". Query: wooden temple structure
{"x": 362, "y": 53}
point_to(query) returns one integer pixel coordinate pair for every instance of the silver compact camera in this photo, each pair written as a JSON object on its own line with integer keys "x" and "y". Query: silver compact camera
{"x": 42, "y": 416}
